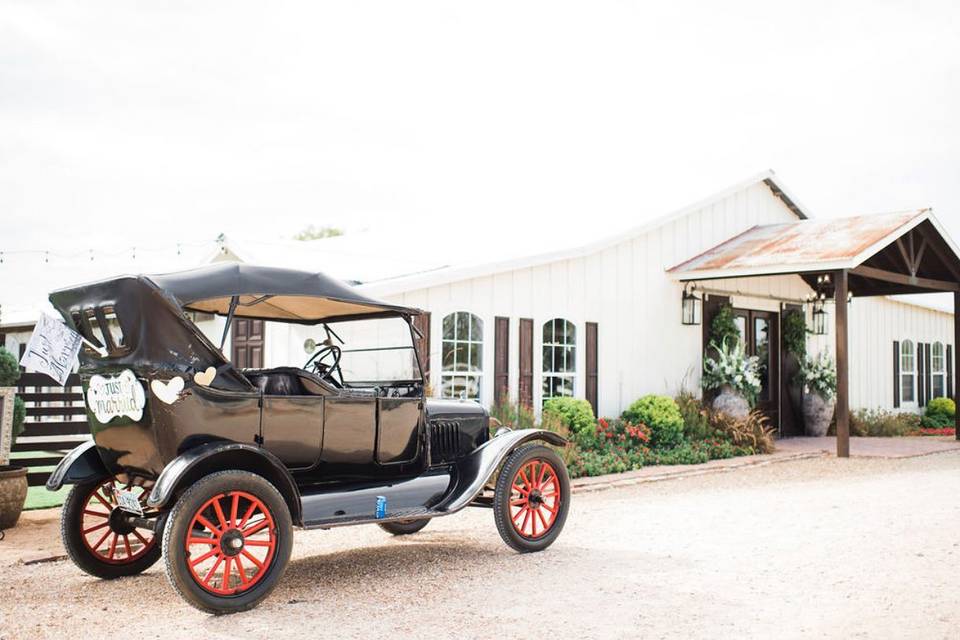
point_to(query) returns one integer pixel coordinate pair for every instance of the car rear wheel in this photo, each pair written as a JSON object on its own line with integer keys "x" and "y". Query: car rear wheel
{"x": 404, "y": 527}
{"x": 98, "y": 537}
{"x": 531, "y": 499}
{"x": 227, "y": 542}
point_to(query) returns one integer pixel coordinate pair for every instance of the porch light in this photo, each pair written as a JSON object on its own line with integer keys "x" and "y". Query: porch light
{"x": 691, "y": 312}
{"x": 820, "y": 326}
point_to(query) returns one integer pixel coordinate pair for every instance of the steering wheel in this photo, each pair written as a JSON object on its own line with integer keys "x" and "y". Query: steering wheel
{"x": 325, "y": 361}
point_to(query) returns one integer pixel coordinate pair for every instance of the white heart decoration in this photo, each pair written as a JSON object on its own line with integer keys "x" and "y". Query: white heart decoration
{"x": 204, "y": 378}
{"x": 168, "y": 392}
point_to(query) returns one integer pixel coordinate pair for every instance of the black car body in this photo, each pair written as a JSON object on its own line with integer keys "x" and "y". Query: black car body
{"x": 338, "y": 453}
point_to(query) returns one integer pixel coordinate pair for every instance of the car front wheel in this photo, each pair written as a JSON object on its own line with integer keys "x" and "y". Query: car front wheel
{"x": 531, "y": 499}
{"x": 227, "y": 542}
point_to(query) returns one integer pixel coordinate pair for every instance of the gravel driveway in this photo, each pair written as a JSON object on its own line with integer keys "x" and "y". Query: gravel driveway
{"x": 813, "y": 548}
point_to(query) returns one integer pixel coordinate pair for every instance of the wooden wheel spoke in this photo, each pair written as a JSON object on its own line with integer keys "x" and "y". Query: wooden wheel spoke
{"x": 206, "y": 556}
{"x": 258, "y": 543}
{"x": 96, "y": 527}
{"x": 240, "y": 570}
{"x": 249, "y": 556}
{"x": 213, "y": 569}
{"x": 113, "y": 546}
{"x": 255, "y": 528}
{"x": 233, "y": 509}
{"x": 98, "y": 514}
{"x": 96, "y": 546}
{"x": 220, "y": 517}
{"x": 142, "y": 540}
{"x": 209, "y": 525}
{"x": 126, "y": 546}
{"x": 210, "y": 541}
{"x": 247, "y": 515}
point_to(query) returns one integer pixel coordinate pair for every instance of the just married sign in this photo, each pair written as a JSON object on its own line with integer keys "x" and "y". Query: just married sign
{"x": 52, "y": 349}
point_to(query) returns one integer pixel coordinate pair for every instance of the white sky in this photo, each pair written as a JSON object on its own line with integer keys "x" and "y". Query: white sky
{"x": 154, "y": 122}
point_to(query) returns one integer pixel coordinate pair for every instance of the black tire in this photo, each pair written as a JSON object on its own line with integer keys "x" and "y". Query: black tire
{"x": 404, "y": 527}
{"x": 513, "y": 526}
{"x": 182, "y": 520}
{"x": 82, "y": 548}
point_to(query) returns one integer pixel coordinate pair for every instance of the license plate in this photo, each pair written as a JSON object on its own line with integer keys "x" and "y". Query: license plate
{"x": 128, "y": 501}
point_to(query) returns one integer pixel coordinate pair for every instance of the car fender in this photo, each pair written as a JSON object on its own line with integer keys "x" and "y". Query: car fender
{"x": 475, "y": 470}
{"x": 207, "y": 458}
{"x": 82, "y": 463}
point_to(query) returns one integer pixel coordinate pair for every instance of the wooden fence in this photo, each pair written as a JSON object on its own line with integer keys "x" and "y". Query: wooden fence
{"x": 56, "y": 423}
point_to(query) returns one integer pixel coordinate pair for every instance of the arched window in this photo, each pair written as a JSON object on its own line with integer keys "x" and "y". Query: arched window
{"x": 908, "y": 372}
{"x": 559, "y": 358}
{"x": 462, "y": 372}
{"x": 938, "y": 371}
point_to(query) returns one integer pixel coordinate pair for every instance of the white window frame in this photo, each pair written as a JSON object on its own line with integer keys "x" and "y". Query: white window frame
{"x": 910, "y": 373}
{"x": 449, "y": 372}
{"x": 566, "y": 373}
{"x": 940, "y": 373}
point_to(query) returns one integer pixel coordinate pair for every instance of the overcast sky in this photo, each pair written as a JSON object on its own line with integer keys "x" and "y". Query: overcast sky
{"x": 150, "y": 122}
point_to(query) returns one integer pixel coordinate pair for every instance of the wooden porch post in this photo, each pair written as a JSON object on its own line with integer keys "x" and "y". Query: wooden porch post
{"x": 843, "y": 371}
{"x": 956, "y": 357}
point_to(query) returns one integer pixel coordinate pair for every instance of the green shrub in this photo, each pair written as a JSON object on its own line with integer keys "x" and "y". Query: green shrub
{"x": 936, "y": 421}
{"x": 683, "y": 454}
{"x": 696, "y": 417}
{"x": 723, "y": 327}
{"x": 576, "y": 414}
{"x": 942, "y": 407}
{"x": 882, "y": 423}
{"x": 662, "y": 416}
{"x": 19, "y": 416}
{"x": 795, "y": 333}
{"x": 9, "y": 369}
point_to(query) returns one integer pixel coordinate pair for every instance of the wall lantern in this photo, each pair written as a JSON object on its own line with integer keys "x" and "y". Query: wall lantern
{"x": 691, "y": 311}
{"x": 820, "y": 324}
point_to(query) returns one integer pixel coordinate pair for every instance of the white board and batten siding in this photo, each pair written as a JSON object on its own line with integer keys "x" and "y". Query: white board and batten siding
{"x": 623, "y": 287}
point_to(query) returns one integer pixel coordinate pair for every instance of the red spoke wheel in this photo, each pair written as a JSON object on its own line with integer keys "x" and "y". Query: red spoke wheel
{"x": 531, "y": 498}
{"x": 228, "y": 541}
{"x": 98, "y": 536}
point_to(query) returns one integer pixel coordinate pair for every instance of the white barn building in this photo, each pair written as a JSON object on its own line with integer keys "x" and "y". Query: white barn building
{"x": 602, "y": 320}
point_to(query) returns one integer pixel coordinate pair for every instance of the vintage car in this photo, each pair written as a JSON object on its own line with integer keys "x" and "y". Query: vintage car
{"x": 211, "y": 465}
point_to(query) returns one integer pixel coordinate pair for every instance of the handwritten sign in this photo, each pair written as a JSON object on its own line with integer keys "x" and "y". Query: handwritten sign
{"x": 119, "y": 395}
{"x": 52, "y": 349}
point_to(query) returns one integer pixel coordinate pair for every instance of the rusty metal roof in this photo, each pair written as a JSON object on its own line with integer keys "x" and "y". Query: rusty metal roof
{"x": 798, "y": 247}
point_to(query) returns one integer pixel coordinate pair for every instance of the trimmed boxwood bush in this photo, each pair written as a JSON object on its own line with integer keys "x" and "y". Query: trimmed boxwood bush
{"x": 9, "y": 374}
{"x": 575, "y": 413}
{"x": 662, "y": 415}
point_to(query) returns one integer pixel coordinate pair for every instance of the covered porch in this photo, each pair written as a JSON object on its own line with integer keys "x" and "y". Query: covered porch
{"x": 840, "y": 260}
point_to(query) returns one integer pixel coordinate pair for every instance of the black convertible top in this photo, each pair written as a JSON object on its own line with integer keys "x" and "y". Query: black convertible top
{"x": 270, "y": 293}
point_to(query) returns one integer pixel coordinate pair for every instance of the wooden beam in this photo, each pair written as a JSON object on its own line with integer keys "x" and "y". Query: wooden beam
{"x": 956, "y": 357}
{"x": 904, "y": 279}
{"x": 946, "y": 257}
{"x": 843, "y": 371}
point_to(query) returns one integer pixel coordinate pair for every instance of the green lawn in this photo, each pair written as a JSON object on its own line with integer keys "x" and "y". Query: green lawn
{"x": 40, "y": 498}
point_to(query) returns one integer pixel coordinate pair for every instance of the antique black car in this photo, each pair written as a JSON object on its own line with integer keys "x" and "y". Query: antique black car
{"x": 211, "y": 465}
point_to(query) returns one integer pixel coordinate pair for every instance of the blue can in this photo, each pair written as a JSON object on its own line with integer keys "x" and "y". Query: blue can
{"x": 381, "y": 507}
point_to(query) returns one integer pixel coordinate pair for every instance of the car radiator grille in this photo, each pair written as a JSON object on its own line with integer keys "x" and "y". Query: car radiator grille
{"x": 444, "y": 440}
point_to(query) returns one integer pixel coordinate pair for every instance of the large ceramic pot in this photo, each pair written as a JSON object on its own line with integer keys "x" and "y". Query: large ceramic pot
{"x": 817, "y": 413}
{"x": 731, "y": 402}
{"x": 13, "y": 493}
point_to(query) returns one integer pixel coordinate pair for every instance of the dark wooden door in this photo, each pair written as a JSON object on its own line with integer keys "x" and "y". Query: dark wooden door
{"x": 760, "y": 333}
{"x": 501, "y": 360}
{"x": 247, "y": 344}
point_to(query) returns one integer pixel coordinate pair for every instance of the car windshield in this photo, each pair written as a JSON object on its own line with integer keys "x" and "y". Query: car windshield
{"x": 375, "y": 351}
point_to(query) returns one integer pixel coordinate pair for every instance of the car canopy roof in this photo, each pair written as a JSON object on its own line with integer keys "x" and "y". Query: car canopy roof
{"x": 269, "y": 293}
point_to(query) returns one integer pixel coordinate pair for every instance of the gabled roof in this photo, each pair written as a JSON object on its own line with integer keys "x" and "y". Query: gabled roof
{"x": 797, "y": 247}
{"x": 576, "y": 247}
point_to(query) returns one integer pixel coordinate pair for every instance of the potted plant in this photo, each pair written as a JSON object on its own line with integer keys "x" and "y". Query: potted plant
{"x": 819, "y": 378}
{"x": 13, "y": 479}
{"x": 735, "y": 375}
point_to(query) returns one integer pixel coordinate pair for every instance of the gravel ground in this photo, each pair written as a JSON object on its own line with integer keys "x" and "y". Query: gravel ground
{"x": 813, "y": 548}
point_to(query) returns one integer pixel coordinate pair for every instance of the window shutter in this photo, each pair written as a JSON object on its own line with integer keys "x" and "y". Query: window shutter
{"x": 921, "y": 376}
{"x": 501, "y": 360}
{"x": 896, "y": 374}
{"x": 949, "y": 390}
{"x": 928, "y": 368}
{"x": 422, "y": 323}
{"x": 591, "y": 392}
{"x": 526, "y": 363}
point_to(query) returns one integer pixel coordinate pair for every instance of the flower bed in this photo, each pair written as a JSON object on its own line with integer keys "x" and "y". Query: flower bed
{"x": 654, "y": 430}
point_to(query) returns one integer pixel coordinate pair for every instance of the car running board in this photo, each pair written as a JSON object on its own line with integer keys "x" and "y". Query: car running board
{"x": 355, "y": 504}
